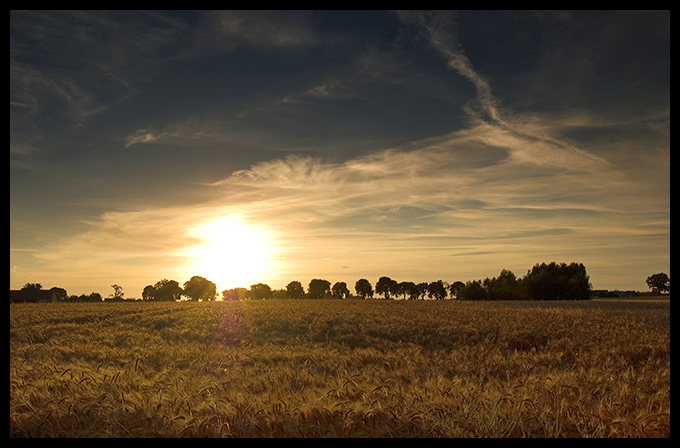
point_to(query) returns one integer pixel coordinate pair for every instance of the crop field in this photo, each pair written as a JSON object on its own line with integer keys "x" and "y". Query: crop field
{"x": 341, "y": 368}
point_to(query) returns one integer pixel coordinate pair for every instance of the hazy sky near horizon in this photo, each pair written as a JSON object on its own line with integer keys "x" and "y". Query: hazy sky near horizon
{"x": 272, "y": 146}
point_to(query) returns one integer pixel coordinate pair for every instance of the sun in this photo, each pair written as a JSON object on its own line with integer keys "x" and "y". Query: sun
{"x": 231, "y": 253}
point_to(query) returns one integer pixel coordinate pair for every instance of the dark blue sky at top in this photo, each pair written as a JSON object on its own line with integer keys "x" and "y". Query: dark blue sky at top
{"x": 105, "y": 75}
{"x": 118, "y": 110}
{"x": 84, "y": 81}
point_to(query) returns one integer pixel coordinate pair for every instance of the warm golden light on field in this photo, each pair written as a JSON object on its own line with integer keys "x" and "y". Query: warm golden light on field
{"x": 232, "y": 253}
{"x": 313, "y": 368}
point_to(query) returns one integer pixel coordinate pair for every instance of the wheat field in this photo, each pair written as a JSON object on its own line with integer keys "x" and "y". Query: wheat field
{"x": 334, "y": 368}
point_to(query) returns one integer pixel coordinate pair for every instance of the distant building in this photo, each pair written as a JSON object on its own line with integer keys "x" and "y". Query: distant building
{"x": 31, "y": 296}
{"x": 624, "y": 294}
{"x": 602, "y": 293}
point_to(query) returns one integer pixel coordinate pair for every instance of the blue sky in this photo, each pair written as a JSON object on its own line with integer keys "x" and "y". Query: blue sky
{"x": 344, "y": 144}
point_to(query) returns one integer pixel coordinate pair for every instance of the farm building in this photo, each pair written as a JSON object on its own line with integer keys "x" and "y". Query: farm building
{"x": 31, "y": 296}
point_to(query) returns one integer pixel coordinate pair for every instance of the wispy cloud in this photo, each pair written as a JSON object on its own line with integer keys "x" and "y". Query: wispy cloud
{"x": 266, "y": 29}
{"x": 524, "y": 143}
{"x": 67, "y": 67}
{"x": 437, "y": 199}
{"x": 504, "y": 191}
{"x": 185, "y": 133}
{"x": 439, "y": 28}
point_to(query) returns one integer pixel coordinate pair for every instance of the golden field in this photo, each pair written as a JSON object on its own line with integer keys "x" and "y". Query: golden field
{"x": 341, "y": 368}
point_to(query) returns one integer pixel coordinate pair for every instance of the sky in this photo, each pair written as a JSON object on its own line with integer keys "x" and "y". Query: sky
{"x": 279, "y": 146}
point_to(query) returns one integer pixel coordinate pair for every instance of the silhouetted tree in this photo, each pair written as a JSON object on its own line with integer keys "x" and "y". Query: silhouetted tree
{"x": 164, "y": 291}
{"x": 340, "y": 290}
{"x": 422, "y": 289}
{"x": 318, "y": 288}
{"x": 503, "y": 287}
{"x": 557, "y": 282}
{"x": 455, "y": 287}
{"x": 260, "y": 291}
{"x": 436, "y": 290}
{"x": 118, "y": 293}
{"x": 363, "y": 288}
{"x": 168, "y": 290}
{"x": 473, "y": 290}
{"x": 149, "y": 293}
{"x": 60, "y": 294}
{"x": 294, "y": 290}
{"x": 408, "y": 290}
{"x": 199, "y": 288}
{"x": 659, "y": 283}
{"x": 280, "y": 294}
{"x": 234, "y": 294}
{"x": 92, "y": 297}
{"x": 386, "y": 286}
{"x": 30, "y": 286}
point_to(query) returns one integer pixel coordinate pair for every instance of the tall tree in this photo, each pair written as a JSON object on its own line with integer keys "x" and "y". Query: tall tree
{"x": 408, "y": 290}
{"x": 118, "y": 293}
{"x": 473, "y": 290}
{"x": 503, "y": 287}
{"x": 363, "y": 288}
{"x": 455, "y": 287}
{"x": 60, "y": 294}
{"x": 422, "y": 289}
{"x": 557, "y": 282}
{"x": 386, "y": 286}
{"x": 659, "y": 283}
{"x": 318, "y": 288}
{"x": 340, "y": 290}
{"x": 164, "y": 290}
{"x": 199, "y": 288}
{"x": 294, "y": 290}
{"x": 436, "y": 290}
{"x": 149, "y": 293}
{"x": 261, "y": 291}
{"x": 234, "y": 294}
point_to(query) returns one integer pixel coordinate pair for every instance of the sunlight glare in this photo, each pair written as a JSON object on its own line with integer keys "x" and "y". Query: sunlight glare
{"x": 232, "y": 253}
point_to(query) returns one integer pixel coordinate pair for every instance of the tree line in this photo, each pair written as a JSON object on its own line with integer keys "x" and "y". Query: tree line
{"x": 552, "y": 281}
{"x": 543, "y": 281}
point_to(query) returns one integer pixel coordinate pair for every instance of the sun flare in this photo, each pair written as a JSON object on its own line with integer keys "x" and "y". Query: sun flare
{"x": 232, "y": 253}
